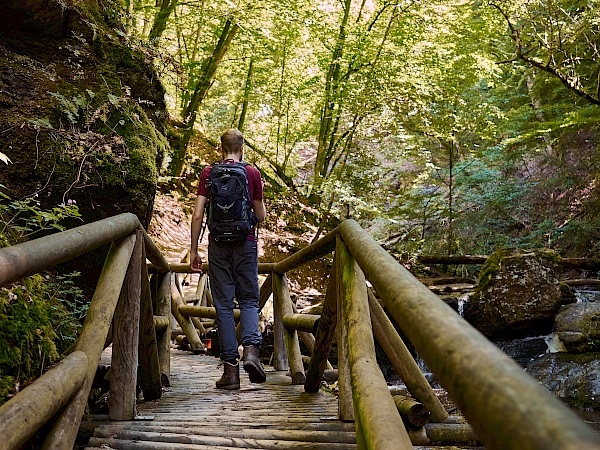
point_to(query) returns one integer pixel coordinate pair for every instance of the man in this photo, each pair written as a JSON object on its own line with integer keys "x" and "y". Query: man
{"x": 233, "y": 272}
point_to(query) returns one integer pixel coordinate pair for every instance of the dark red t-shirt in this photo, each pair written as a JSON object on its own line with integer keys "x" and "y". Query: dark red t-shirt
{"x": 255, "y": 185}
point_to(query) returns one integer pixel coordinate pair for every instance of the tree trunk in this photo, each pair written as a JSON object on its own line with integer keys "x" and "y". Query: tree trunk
{"x": 331, "y": 107}
{"x": 161, "y": 18}
{"x": 209, "y": 67}
{"x": 247, "y": 89}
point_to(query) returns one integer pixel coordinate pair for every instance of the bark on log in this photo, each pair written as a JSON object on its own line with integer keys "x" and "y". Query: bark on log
{"x": 345, "y": 401}
{"x": 91, "y": 341}
{"x": 185, "y": 322}
{"x": 20, "y": 260}
{"x": 375, "y": 410}
{"x": 283, "y": 304}
{"x": 149, "y": 367}
{"x": 447, "y": 280}
{"x": 452, "y": 259}
{"x": 411, "y": 411}
{"x": 301, "y": 322}
{"x": 126, "y": 334}
{"x": 581, "y": 263}
{"x": 24, "y": 414}
{"x": 568, "y": 263}
{"x": 324, "y": 335}
{"x": 402, "y": 360}
{"x": 163, "y": 309}
{"x": 161, "y": 323}
{"x": 207, "y": 312}
{"x": 448, "y": 434}
{"x": 263, "y": 268}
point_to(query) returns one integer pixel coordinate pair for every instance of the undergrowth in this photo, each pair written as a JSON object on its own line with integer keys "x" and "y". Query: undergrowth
{"x": 40, "y": 314}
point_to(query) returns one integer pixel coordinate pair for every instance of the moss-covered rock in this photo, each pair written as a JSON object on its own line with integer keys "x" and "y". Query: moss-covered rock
{"x": 578, "y": 327}
{"x": 518, "y": 293}
{"x": 573, "y": 378}
{"x": 82, "y": 109}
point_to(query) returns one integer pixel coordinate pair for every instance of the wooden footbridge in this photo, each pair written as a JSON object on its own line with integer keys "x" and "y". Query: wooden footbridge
{"x": 179, "y": 408}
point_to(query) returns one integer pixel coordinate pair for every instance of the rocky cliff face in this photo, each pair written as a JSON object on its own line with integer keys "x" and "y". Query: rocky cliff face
{"x": 81, "y": 111}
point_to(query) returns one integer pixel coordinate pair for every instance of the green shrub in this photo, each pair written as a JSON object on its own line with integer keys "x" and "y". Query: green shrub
{"x": 39, "y": 315}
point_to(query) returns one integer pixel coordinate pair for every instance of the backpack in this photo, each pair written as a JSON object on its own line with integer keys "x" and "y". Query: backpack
{"x": 230, "y": 215}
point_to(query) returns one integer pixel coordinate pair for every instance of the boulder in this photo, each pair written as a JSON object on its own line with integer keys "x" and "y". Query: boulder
{"x": 82, "y": 112}
{"x": 578, "y": 327}
{"x": 518, "y": 294}
{"x": 571, "y": 377}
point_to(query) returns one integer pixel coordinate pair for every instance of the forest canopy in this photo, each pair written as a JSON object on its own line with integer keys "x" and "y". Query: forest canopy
{"x": 450, "y": 127}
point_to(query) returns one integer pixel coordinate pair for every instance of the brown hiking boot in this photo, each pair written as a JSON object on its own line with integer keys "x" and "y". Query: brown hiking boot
{"x": 231, "y": 376}
{"x": 252, "y": 364}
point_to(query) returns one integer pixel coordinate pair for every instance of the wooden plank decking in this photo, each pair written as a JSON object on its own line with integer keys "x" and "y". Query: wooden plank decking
{"x": 194, "y": 415}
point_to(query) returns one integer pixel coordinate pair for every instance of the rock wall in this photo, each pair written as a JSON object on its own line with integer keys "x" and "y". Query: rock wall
{"x": 81, "y": 110}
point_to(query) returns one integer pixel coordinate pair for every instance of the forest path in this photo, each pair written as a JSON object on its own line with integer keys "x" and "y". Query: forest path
{"x": 193, "y": 414}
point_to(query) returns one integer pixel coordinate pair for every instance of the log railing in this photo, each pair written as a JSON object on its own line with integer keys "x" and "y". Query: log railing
{"x": 122, "y": 311}
{"x": 505, "y": 406}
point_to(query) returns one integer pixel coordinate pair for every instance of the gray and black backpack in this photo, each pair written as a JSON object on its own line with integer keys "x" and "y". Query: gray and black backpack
{"x": 230, "y": 214}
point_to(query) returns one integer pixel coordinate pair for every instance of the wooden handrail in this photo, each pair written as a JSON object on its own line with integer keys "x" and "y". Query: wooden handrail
{"x": 31, "y": 408}
{"x": 31, "y": 257}
{"x": 322, "y": 247}
{"x": 378, "y": 423}
{"x": 506, "y": 407}
{"x": 64, "y": 402}
{"x": 263, "y": 268}
{"x": 91, "y": 340}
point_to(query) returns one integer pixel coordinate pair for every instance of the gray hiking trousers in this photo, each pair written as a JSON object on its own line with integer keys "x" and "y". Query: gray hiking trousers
{"x": 233, "y": 274}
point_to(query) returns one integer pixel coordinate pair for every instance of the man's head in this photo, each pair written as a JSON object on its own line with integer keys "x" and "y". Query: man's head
{"x": 232, "y": 142}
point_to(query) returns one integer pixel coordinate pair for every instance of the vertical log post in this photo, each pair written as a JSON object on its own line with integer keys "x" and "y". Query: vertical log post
{"x": 506, "y": 406}
{"x": 91, "y": 341}
{"x": 185, "y": 322}
{"x": 149, "y": 367}
{"x": 403, "y": 362}
{"x": 345, "y": 404}
{"x": 280, "y": 356}
{"x": 197, "y": 323}
{"x": 324, "y": 335}
{"x": 284, "y": 306}
{"x": 163, "y": 308}
{"x": 126, "y": 332}
{"x": 374, "y": 408}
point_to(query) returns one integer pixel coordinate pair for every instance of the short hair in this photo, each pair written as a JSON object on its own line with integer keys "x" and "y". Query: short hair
{"x": 232, "y": 141}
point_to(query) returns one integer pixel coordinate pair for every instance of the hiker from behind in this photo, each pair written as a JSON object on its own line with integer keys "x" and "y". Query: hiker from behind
{"x": 231, "y": 192}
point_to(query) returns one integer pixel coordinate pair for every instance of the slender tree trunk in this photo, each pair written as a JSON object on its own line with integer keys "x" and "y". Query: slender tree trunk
{"x": 451, "y": 200}
{"x": 331, "y": 104}
{"x": 209, "y": 67}
{"x": 247, "y": 89}
{"x": 166, "y": 7}
{"x": 280, "y": 95}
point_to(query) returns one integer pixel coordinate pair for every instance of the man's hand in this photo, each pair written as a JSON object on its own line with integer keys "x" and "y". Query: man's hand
{"x": 195, "y": 262}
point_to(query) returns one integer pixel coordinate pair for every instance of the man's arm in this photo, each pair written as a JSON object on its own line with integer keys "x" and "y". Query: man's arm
{"x": 197, "y": 216}
{"x": 259, "y": 209}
